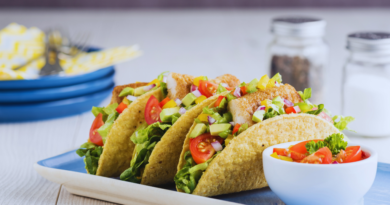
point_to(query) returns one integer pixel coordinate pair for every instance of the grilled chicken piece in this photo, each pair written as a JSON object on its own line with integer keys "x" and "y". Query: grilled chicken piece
{"x": 179, "y": 85}
{"x": 243, "y": 108}
{"x": 118, "y": 89}
{"x": 231, "y": 80}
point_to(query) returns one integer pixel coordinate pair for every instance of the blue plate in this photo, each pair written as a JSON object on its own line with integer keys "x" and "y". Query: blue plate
{"x": 53, "y": 109}
{"x": 378, "y": 194}
{"x": 55, "y": 81}
{"x": 40, "y": 95}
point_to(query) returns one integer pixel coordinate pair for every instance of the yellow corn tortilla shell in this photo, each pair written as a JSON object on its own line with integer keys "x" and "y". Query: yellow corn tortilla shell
{"x": 239, "y": 167}
{"x": 118, "y": 149}
{"x": 161, "y": 168}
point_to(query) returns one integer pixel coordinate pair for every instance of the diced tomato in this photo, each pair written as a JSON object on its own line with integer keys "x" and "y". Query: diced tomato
{"x": 300, "y": 147}
{"x": 236, "y": 127}
{"x": 290, "y": 110}
{"x": 325, "y": 116}
{"x": 340, "y": 157}
{"x": 220, "y": 98}
{"x": 152, "y": 111}
{"x": 243, "y": 90}
{"x": 365, "y": 155}
{"x": 229, "y": 88}
{"x": 163, "y": 102}
{"x": 322, "y": 156}
{"x": 207, "y": 88}
{"x": 296, "y": 156}
{"x": 94, "y": 135}
{"x": 201, "y": 148}
{"x": 121, "y": 107}
{"x": 354, "y": 154}
{"x": 280, "y": 151}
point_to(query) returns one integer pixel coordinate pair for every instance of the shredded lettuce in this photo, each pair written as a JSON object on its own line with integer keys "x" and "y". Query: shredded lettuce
{"x": 207, "y": 110}
{"x": 221, "y": 89}
{"x": 145, "y": 140}
{"x": 230, "y": 97}
{"x": 97, "y": 110}
{"x": 320, "y": 108}
{"x": 92, "y": 154}
{"x": 188, "y": 177}
{"x": 306, "y": 94}
{"x": 334, "y": 142}
{"x": 341, "y": 122}
{"x": 110, "y": 109}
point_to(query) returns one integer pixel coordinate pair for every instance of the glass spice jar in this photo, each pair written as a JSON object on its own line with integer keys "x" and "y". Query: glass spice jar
{"x": 299, "y": 53}
{"x": 366, "y": 83}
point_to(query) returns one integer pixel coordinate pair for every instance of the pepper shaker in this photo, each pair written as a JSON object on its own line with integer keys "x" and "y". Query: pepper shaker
{"x": 299, "y": 53}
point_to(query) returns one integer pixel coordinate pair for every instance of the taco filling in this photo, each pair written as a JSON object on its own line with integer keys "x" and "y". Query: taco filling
{"x": 233, "y": 114}
{"x": 184, "y": 93}
{"x": 105, "y": 118}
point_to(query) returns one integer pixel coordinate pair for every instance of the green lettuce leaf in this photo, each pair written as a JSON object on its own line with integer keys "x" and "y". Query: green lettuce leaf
{"x": 252, "y": 86}
{"x": 306, "y": 94}
{"x": 92, "y": 154}
{"x": 230, "y": 97}
{"x": 320, "y": 108}
{"x": 341, "y": 122}
{"x": 145, "y": 139}
{"x": 334, "y": 142}
{"x": 207, "y": 110}
{"x": 97, "y": 110}
{"x": 188, "y": 177}
{"x": 312, "y": 146}
{"x": 110, "y": 109}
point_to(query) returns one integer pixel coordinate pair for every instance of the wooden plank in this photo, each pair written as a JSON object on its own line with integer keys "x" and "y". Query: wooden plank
{"x": 66, "y": 198}
{"x": 22, "y": 145}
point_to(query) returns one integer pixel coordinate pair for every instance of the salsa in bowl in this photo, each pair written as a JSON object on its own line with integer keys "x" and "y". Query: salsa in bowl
{"x": 303, "y": 183}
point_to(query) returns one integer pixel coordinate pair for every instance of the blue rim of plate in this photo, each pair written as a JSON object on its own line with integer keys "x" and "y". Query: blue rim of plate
{"x": 56, "y": 81}
{"x": 58, "y": 93}
{"x": 53, "y": 109}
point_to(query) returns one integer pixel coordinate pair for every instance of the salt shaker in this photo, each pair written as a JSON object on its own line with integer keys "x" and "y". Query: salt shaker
{"x": 366, "y": 88}
{"x": 299, "y": 53}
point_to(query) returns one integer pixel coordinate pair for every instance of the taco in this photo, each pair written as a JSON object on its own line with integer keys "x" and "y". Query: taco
{"x": 226, "y": 157}
{"x": 159, "y": 142}
{"x": 109, "y": 150}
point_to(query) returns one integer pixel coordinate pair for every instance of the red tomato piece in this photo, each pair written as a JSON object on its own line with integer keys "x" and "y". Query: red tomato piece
{"x": 326, "y": 117}
{"x": 365, "y": 155}
{"x": 94, "y": 135}
{"x": 163, "y": 102}
{"x": 296, "y": 156}
{"x": 243, "y": 90}
{"x": 152, "y": 111}
{"x": 300, "y": 147}
{"x": 353, "y": 154}
{"x": 201, "y": 148}
{"x": 121, "y": 107}
{"x": 340, "y": 158}
{"x": 236, "y": 127}
{"x": 207, "y": 88}
{"x": 322, "y": 156}
{"x": 280, "y": 151}
{"x": 290, "y": 110}
{"x": 220, "y": 98}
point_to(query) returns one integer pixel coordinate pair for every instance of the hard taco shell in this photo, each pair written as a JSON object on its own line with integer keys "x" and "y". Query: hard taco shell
{"x": 239, "y": 166}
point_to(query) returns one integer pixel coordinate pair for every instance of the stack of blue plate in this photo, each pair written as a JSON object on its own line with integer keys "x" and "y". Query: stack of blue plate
{"x": 54, "y": 96}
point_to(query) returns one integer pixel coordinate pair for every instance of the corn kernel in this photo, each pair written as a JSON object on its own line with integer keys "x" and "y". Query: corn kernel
{"x": 262, "y": 84}
{"x": 200, "y": 99}
{"x": 169, "y": 104}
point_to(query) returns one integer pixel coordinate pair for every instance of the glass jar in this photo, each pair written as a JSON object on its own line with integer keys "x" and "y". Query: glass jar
{"x": 366, "y": 88}
{"x": 299, "y": 53}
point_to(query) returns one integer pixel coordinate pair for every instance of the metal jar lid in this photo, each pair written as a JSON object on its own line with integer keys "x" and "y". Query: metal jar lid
{"x": 369, "y": 41}
{"x": 298, "y": 26}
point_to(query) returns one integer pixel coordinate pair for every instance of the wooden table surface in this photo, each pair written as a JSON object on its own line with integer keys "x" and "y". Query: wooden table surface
{"x": 209, "y": 42}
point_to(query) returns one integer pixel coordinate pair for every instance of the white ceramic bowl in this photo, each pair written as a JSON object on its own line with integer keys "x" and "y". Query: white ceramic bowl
{"x": 333, "y": 184}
